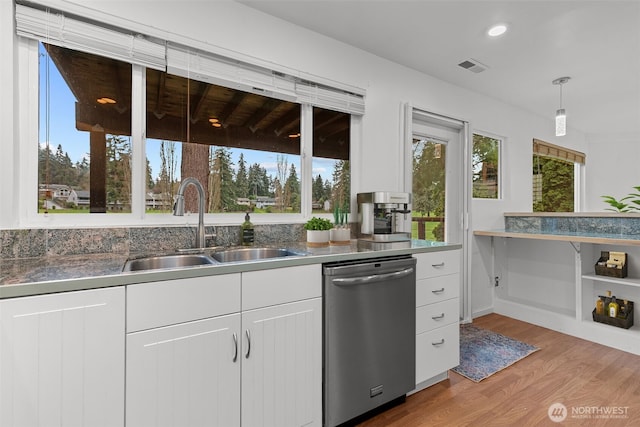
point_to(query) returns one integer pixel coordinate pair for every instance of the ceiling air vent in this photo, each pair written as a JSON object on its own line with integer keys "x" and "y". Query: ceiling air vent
{"x": 473, "y": 65}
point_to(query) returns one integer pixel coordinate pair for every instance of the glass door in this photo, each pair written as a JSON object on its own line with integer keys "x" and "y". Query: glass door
{"x": 436, "y": 182}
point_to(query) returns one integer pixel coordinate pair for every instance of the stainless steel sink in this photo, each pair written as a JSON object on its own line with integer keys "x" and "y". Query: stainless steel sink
{"x": 252, "y": 254}
{"x": 167, "y": 261}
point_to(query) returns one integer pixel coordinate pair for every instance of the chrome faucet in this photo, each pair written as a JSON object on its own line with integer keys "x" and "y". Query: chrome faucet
{"x": 178, "y": 207}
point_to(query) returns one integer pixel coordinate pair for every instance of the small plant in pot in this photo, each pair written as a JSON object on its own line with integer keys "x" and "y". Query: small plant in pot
{"x": 340, "y": 234}
{"x": 318, "y": 231}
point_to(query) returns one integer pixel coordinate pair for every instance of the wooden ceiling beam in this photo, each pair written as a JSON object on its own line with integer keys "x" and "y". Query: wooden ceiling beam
{"x": 159, "y": 110}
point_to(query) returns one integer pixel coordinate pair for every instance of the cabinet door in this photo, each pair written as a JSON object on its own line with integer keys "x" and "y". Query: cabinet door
{"x": 282, "y": 365}
{"x": 437, "y": 351}
{"x": 185, "y": 375}
{"x": 62, "y": 359}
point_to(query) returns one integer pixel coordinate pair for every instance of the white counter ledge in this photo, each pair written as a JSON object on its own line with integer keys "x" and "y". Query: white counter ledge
{"x": 565, "y": 236}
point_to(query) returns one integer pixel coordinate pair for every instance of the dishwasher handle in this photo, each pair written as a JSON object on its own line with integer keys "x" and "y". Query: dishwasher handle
{"x": 363, "y": 280}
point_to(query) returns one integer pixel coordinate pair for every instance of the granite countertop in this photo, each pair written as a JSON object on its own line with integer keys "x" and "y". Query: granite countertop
{"x": 35, "y": 276}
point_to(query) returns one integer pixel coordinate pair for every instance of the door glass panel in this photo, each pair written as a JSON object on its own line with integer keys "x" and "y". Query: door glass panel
{"x": 429, "y": 176}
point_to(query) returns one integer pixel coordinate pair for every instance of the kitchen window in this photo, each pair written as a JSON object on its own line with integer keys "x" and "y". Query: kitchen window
{"x": 118, "y": 136}
{"x": 556, "y": 177}
{"x": 485, "y": 162}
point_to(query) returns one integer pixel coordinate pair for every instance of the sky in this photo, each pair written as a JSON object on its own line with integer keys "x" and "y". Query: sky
{"x": 57, "y": 125}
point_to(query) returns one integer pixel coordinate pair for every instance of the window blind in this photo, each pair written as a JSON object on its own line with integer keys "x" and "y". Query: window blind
{"x": 543, "y": 148}
{"x": 330, "y": 98}
{"x": 57, "y": 28}
{"x": 218, "y": 70}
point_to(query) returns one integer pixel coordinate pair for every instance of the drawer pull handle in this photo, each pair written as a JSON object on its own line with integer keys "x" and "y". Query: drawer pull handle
{"x": 246, "y": 331}
{"x": 438, "y": 265}
{"x": 235, "y": 343}
{"x": 438, "y": 343}
{"x": 438, "y": 291}
{"x": 438, "y": 317}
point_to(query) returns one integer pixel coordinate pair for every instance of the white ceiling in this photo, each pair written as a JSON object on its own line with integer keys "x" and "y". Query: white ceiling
{"x": 596, "y": 43}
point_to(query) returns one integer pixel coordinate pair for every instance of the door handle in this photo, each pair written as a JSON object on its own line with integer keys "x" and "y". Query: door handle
{"x": 438, "y": 291}
{"x": 435, "y": 344}
{"x": 363, "y": 280}
{"x": 438, "y": 317}
{"x": 246, "y": 331}
{"x": 235, "y": 344}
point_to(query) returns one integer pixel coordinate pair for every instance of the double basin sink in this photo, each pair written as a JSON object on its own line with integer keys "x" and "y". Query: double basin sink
{"x": 174, "y": 261}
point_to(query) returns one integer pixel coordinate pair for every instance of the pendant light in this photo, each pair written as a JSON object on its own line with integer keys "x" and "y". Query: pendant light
{"x": 561, "y": 116}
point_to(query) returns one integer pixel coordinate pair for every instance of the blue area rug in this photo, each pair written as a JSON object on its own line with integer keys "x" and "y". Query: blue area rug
{"x": 483, "y": 352}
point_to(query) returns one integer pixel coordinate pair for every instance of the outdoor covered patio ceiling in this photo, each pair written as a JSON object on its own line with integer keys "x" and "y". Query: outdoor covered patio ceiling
{"x": 246, "y": 120}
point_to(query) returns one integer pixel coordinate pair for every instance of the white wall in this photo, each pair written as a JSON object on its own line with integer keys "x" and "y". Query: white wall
{"x": 246, "y": 32}
{"x": 613, "y": 168}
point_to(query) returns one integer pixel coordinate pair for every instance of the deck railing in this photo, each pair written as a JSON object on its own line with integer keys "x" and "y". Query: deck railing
{"x": 422, "y": 220}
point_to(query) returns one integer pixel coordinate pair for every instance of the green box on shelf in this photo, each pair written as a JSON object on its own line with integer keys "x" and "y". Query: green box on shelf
{"x": 603, "y": 270}
{"x": 621, "y": 322}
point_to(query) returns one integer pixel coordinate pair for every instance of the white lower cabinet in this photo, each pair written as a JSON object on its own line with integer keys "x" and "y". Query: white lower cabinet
{"x": 62, "y": 359}
{"x": 437, "y": 315}
{"x": 185, "y": 375}
{"x": 252, "y": 367}
{"x": 282, "y": 365}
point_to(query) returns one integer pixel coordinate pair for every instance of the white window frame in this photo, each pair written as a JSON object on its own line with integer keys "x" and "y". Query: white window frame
{"x": 501, "y": 144}
{"x": 27, "y": 145}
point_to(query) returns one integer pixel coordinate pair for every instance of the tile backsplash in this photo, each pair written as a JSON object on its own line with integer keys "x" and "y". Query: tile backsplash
{"x": 34, "y": 243}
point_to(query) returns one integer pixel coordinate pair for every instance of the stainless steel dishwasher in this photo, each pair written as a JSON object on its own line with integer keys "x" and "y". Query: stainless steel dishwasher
{"x": 369, "y": 335}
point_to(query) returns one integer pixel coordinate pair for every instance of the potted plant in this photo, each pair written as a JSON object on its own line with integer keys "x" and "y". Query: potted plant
{"x": 340, "y": 234}
{"x": 629, "y": 203}
{"x": 318, "y": 231}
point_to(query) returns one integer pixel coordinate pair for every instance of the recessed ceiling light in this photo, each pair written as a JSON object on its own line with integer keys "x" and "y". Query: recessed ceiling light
{"x": 497, "y": 30}
{"x": 105, "y": 100}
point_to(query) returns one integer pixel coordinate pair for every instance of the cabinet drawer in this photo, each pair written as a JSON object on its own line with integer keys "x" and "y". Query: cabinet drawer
{"x": 437, "y": 289}
{"x": 432, "y": 264}
{"x": 437, "y": 351}
{"x": 151, "y": 305}
{"x": 280, "y": 285}
{"x": 433, "y": 316}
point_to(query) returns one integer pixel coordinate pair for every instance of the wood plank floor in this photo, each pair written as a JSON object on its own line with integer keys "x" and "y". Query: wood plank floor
{"x": 582, "y": 375}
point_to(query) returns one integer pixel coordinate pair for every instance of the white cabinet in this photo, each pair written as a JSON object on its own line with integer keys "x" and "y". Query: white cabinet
{"x": 282, "y": 347}
{"x": 437, "y": 315}
{"x": 183, "y": 352}
{"x": 185, "y": 375}
{"x": 62, "y": 359}
{"x": 192, "y": 344}
{"x": 282, "y": 365}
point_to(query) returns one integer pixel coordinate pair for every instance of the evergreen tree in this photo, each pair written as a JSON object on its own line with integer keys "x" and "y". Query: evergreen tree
{"x": 341, "y": 184}
{"x": 118, "y": 172}
{"x": 259, "y": 181}
{"x": 292, "y": 190}
{"x": 242, "y": 180}
{"x": 317, "y": 190}
{"x": 222, "y": 196}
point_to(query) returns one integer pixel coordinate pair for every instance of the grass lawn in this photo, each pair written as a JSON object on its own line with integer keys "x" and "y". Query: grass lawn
{"x": 428, "y": 232}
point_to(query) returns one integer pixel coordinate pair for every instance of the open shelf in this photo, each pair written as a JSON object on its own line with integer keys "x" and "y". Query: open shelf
{"x": 627, "y": 281}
